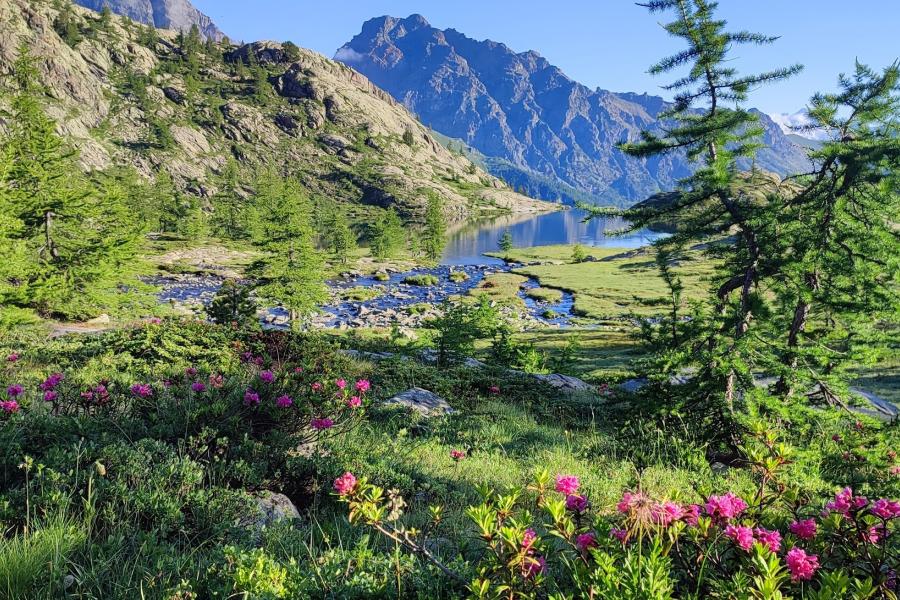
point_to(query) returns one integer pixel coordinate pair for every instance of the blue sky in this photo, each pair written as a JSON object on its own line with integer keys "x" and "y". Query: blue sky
{"x": 602, "y": 43}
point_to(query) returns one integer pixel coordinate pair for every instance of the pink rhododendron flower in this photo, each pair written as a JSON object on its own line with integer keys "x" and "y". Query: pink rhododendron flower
{"x": 457, "y": 455}
{"x": 363, "y": 385}
{"x": 842, "y": 503}
{"x": 251, "y": 398}
{"x": 769, "y": 539}
{"x": 154, "y": 320}
{"x": 354, "y": 402}
{"x": 528, "y": 539}
{"x": 691, "y": 515}
{"x": 836, "y": 438}
{"x": 666, "y": 513}
{"x": 198, "y": 386}
{"x": 320, "y": 424}
{"x": 341, "y": 383}
{"x": 567, "y": 484}
{"x": 725, "y": 508}
{"x": 895, "y": 470}
{"x": 216, "y": 381}
{"x": 801, "y": 565}
{"x": 51, "y": 382}
{"x": 630, "y": 500}
{"x": 874, "y": 534}
{"x": 50, "y": 396}
{"x": 494, "y": 389}
{"x": 619, "y": 534}
{"x": 576, "y": 503}
{"x": 12, "y": 357}
{"x": 267, "y": 376}
{"x": 741, "y": 536}
{"x": 284, "y": 401}
{"x": 317, "y": 387}
{"x": 9, "y": 406}
{"x": 15, "y": 390}
{"x": 805, "y": 530}
{"x": 345, "y": 484}
{"x": 886, "y": 509}
{"x": 190, "y": 372}
{"x": 141, "y": 390}
{"x": 101, "y": 394}
{"x": 585, "y": 541}
{"x": 298, "y": 370}
{"x": 534, "y": 566}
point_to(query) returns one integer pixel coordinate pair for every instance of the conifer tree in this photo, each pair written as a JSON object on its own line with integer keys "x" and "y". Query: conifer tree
{"x": 293, "y": 272}
{"x": 74, "y": 235}
{"x": 434, "y": 236}
{"x": 230, "y": 219}
{"x": 339, "y": 238}
{"x": 387, "y": 238}
{"x": 839, "y": 249}
{"x": 708, "y": 122}
{"x": 506, "y": 242}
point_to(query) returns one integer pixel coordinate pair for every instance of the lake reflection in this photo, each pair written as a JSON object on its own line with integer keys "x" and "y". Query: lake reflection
{"x": 466, "y": 245}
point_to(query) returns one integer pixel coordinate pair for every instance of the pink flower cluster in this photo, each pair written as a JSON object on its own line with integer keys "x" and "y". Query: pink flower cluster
{"x": 886, "y": 509}
{"x": 9, "y": 406}
{"x": 198, "y": 387}
{"x": 567, "y": 484}
{"x": 457, "y": 455}
{"x": 49, "y": 384}
{"x": 801, "y": 565}
{"x": 13, "y": 357}
{"x": 362, "y": 386}
{"x": 345, "y": 484}
{"x": 844, "y": 502}
{"x": 251, "y": 398}
{"x": 267, "y": 377}
{"x": 15, "y": 390}
{"x": 321, "y": 424}
{"x": 805, "y": 530}
{"x": 726, "y": 507}
{"x": 141, "y": 390}
{"x": 284, "y": 401}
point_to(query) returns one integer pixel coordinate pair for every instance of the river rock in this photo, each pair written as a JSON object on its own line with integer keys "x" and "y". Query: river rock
{"x": 565, "y": 383}
{"x": 427, "y": 403}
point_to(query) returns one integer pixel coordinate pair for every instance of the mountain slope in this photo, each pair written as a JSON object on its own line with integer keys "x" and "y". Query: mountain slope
{"x": 124, "y": 95}
{"x": 525, "y": 112}
{"x": 179, "y": 15}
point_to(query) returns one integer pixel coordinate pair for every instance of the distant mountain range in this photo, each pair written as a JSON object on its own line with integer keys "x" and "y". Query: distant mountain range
{"x": 535, "y": 127}
{"x": 179, "y": 15}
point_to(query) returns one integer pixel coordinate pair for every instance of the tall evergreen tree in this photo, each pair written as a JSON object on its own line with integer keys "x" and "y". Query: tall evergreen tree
{"x": 75, "y": 235}
{"x": 339, "y": 238}
{"x": 434, "y": 236}
{"x": 708, "y": 122}
{"x": 293, "y": 272}
{"x": 230, "y": 219}
{"x": 387, "y": 238}
{"x": 839, "y": 258}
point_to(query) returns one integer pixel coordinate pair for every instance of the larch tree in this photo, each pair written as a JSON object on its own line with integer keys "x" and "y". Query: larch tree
{"x": 708, "y": 122}
{"x": 292, "y": 273}
{"x": 434, "y": 235}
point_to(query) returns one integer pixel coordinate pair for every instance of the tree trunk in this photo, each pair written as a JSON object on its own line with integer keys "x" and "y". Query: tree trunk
{"x": 798, "y": 325}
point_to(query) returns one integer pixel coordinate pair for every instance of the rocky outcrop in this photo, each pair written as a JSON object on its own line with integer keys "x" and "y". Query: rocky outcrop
{"x": 426, "y": 403}
{"x": 536, "y": 126}
{"x": 179, "y": 15}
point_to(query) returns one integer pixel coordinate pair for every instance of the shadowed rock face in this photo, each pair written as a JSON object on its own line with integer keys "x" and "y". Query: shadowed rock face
{"x": 523, "y": 111}
{"x": 165, "y": 14}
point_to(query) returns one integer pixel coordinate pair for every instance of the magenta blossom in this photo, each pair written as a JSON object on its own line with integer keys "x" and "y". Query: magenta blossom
{"x": 741, "y": 536}
{"x": 51, "y": 382}
{"x": 9, "y": 406}
{"x": 494, "y": 389}
{"x": 801, "y": 565}
{"x": 363, "y": 385}
{"x": 619, "y": 533}
{"x": 321, "y": 424}
{"x": 666, "y": 513}
{"x": 630, "y": 500}
{"x": 586, "y": 541}
{"x": 50, "y": 396}
{"x": 341, "y": 383}
{"x": 805, "y": 530}
{"x": 691, "y": 515}
{"x": 284, "y": 401}
{"x": 141, "y": 390}
{"x": 15, "y": 390}
{"x": 457, "y": 455}
{"x": 725, "y": 508}
{"x": 576, "y": 503}
{"x": 534, "y": 566}
{"x": 345, "y": 484}
{"x": 844, "y": 501}
{"x": 874, "y": 534}
{"x": 216, "y": 381}
{"x": 12, "y": 358}
{"x": 528, "y": 540}
{"x": 251, "y": 398}
{"x": 567, "y": 484}
{"x": 198, "y": 386}
{"x": 317, "y": 387}
{"x": 267, "y": 376}
{"x": 769, "y": 539}
{"x": 886, "y": 509}
{"x": 190, "y": 372}
{"x": 354, "y": 402}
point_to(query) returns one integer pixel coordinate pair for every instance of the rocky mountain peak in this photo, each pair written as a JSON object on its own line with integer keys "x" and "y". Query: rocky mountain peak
{"x": 538, "y": 129}
{"x": 179, "y": 15}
